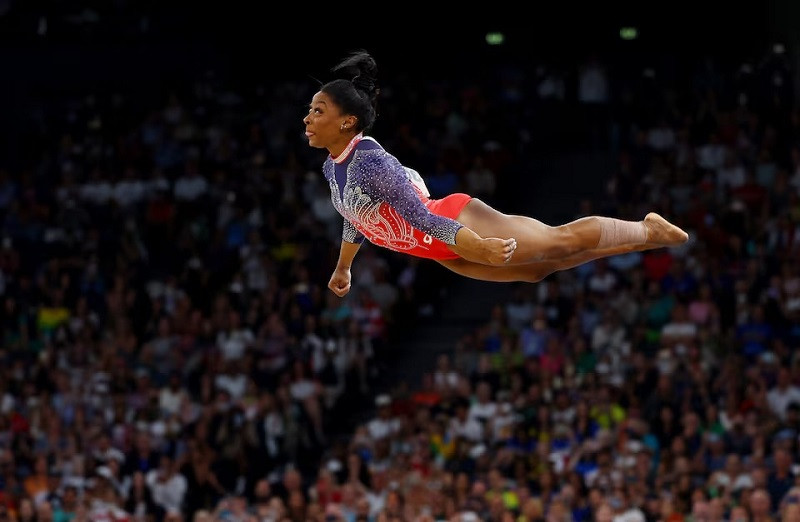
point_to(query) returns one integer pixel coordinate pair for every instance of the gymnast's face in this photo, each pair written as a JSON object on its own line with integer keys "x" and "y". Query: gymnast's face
{"x": 326, "y": 126}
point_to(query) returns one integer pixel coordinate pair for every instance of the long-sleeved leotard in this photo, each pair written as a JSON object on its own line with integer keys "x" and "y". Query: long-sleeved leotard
{"x": 387, "y": 203}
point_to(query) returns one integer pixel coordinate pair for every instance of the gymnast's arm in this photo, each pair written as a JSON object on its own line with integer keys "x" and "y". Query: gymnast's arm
{"x": 341, "y": 277}
{"x": 386, "y": 180}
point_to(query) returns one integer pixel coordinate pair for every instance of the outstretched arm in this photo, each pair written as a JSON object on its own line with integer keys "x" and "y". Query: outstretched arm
{"x": 391, "y": 184}
{"x": 340, "y": 280}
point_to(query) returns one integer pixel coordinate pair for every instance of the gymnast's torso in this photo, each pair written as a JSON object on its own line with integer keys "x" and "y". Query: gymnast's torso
{"x": 387, "y": 203}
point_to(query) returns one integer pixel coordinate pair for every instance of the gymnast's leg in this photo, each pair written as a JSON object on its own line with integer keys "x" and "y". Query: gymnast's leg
{"x": 535, "y": 271}
{"x": 530, "y": 273}
{"x": 539, "y": 242}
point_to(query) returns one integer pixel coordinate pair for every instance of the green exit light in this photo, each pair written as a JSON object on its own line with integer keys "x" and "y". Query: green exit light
{"x": 628, "y": 33}
{"x": 495, "y": 38}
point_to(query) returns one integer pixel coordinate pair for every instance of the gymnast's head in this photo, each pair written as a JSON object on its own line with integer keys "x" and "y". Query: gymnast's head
{"x": 345, "y": 106}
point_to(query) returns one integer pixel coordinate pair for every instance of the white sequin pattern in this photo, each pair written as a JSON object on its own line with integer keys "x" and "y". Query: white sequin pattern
{"x": 381, "y": 201}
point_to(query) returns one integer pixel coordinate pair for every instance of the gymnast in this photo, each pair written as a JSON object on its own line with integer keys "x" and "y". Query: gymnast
{"x": 389, "y": 205}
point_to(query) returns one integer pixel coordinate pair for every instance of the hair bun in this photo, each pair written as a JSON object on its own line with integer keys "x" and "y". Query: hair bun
{"x": 364, "y": 83}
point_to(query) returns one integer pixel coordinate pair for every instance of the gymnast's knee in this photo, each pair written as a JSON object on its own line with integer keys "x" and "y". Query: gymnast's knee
{"x": 561, "y": 242}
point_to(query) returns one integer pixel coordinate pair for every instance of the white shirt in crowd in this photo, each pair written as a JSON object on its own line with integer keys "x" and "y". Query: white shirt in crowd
{"x": 446, "y": 379}
{"x": 6, "y": 403}
{"x": 380, "y": 428}
{"x": 711, "y": 156}
{"x": 101, "y": 511}
{"x": 503, "y": 423}
{"x": 779, "y": 399}
{"x": 630, "y": 515}
{"x": 731, "y": 177}
{"x": 98, "y": 192}
{"x": 602, "y": 283}
{"x": 233, "y": 344}
{"x": 471, "y": 429}
{"x": 593, "y": 84}
{"x": 234, "y": 384}
{"x": 189, "y": 188}
{"x": 519, "y": 314}
{"x": 302, "y": 389}
{"x": 661, "y": 138}
{"x": 128, "y": 192}
{"x": 482, "y": 411}
{"x": 167, "y": 492}
{"x": 170, "y": 400}
{"x": 679, "y": 330}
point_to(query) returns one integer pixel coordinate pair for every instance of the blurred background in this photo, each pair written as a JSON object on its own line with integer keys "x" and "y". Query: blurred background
{"x": 170, "y": 350}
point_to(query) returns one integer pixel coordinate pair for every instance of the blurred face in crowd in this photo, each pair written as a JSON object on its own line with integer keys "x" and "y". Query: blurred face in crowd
{"x": 202, "y": 516}
{"x": 262, "y": 490}
{"x": 595, "y": 498}
{"x": 70, "y": 498}
{"x": 783, "y": 461}
{"x": 461, "y": 412}
{"x": 165, "y": 467}
{"x": 41, "y": 465}
{"x": 652, "y": 505}
{"x": 604, "y": 513}
{"x": 44, "y": 512}
{"x": 700, "y": 510}
{"x": 297, "y": 505}
{"x": 791, "y": 513}
{"x": 143, "y": 441}
{"x": 738, "y": 514}
{"x": 483, "y": 392}
{"x": 759, "y": 503}
{"x": 138, "y": 480}
{"x": 362, "y": 507}
{"x": 532, "y": 508}
{"x": 604, "y": 460}
{"x": 759, "y": 476}
{"x": 394, "y": 502}
{"x": 25, "y": 509}
{"x": 793, "y": 414}
{"x": 292, "y": 480}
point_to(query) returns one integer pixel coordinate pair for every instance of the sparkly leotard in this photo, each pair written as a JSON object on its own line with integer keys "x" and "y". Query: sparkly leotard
{"x": 388, "y": 203}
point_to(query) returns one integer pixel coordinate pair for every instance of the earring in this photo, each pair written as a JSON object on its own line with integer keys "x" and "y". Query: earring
{"x": 344, "y": 126}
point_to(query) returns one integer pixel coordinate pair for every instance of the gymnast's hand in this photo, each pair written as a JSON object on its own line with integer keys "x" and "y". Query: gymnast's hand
{"x": 340, "y": 281}
{"x": 486, "y": 251}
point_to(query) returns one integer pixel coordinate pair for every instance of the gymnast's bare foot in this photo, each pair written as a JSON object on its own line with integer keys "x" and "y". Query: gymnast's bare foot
{"x": 662, "y": 232}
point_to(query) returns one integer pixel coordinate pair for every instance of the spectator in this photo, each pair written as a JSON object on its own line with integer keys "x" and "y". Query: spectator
{"x": 781, "y": 478}
{"x": 784, "y": 393}
{"x": 167, "y": 485}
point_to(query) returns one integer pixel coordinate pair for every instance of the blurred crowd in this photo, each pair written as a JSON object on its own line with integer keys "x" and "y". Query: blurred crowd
{"x": 169, "y": 344}
{"x": 171, "y": 353}
{"x": 652, "y": 386}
